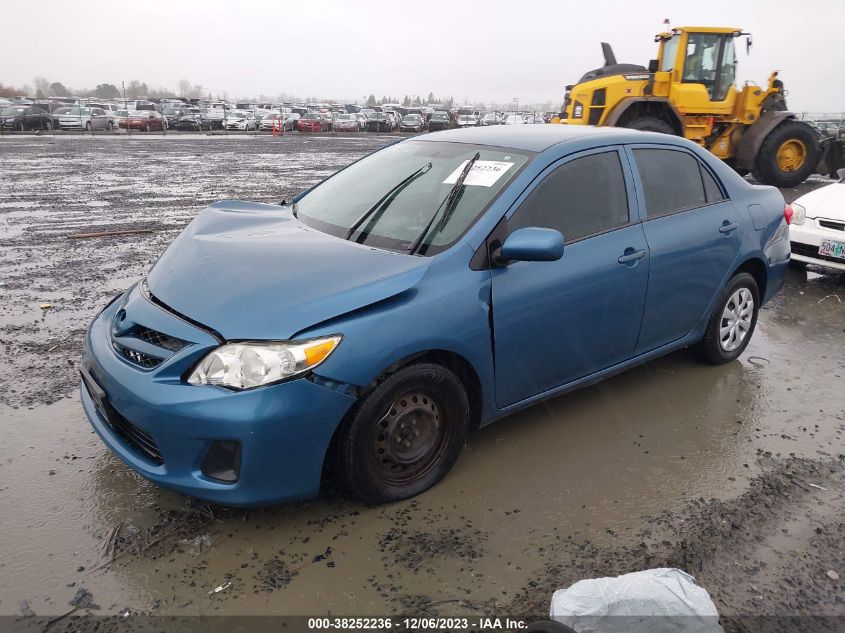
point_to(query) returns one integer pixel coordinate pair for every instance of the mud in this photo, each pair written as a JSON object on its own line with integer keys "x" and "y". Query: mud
{"x": 732, "y": 473}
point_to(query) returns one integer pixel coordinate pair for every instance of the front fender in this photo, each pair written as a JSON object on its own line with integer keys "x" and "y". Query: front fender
{"x": 448, "y": 310}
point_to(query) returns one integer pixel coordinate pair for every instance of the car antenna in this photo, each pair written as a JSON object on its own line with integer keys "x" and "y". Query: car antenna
{"x": 386, "y": 199}
{"x": 450, "y": 201}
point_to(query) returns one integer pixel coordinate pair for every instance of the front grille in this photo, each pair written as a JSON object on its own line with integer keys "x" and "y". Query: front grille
{"x": 159, "y": 339}
{"x": 142, "y": 442}
{"x": 138, "y": 358}
{"x": 138, "y": 440}
{"x": 813, "y": 251}
{"x": 830, "y": 224}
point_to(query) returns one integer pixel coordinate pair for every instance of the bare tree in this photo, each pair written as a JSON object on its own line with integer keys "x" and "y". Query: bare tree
{"x": 185, "y": 90}
{"x": 42, "y": 87}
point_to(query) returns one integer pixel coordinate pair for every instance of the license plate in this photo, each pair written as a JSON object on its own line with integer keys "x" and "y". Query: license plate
{"x": 832, "y": 249}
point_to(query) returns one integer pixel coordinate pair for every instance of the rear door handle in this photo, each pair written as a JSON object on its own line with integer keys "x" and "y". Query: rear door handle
{"x": 727, "y": 228}
{"x": 631, "y": 256}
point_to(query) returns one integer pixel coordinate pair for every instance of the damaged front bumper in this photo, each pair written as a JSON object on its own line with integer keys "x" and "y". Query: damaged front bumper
{"x": 237, "y": 448}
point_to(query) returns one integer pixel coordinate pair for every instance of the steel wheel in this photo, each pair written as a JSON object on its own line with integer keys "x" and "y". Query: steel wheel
{"x": 791, "y": 155}
{"x": 409, "y": 439}
{"x": 736, "y": 319}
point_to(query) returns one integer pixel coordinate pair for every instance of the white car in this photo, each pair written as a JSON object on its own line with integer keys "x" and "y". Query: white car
{"x": 467, "y": 120}
{"x": 271, "y": 120}
{"x": 240, "y": 120}
{"x": 514, "y": 119}
{"x": 817, "y": 232}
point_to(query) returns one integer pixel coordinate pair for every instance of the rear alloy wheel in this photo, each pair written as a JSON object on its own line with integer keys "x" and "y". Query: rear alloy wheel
{"x": 403, "y": 437}
{"x": 732, "y": 322}
{"x": 788, "y": 155}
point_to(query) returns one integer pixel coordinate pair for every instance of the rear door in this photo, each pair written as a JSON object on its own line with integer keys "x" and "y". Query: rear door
{"x": 555, "y": 322}
{"x": 694, "y": 236}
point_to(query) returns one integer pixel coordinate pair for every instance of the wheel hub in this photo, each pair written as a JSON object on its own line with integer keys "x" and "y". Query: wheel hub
{"x": 791, "y": 155}
{"x": 736, "y": 319}
{"x": 409, "y": 433}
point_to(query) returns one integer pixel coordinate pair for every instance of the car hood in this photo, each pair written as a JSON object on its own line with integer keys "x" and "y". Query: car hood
{"x": 253, "y": 271}
{"x": 825, "y": 202}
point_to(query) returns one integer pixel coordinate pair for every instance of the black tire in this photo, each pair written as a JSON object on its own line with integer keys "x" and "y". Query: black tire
{"x": 88, "y": 127}
{"x": 111, "y": 126}
{"x": 766, "y": 168}
{"x": 48, "y": 125}
{"x": 710, "y": 348}
{"x": 650, "y": 124}
{"x": 402, "y": 438}
{"x": 21, "y": 127}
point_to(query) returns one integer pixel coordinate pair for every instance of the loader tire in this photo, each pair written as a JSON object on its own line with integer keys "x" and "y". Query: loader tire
{"x": 650, "y": 124}
{"x": 788, "y": 155}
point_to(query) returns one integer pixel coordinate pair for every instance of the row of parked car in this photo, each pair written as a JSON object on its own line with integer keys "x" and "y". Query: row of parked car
{"x": 197, "y": 117}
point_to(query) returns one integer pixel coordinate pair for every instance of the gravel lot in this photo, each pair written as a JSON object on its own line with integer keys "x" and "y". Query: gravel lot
{"x": 732, "y": 473}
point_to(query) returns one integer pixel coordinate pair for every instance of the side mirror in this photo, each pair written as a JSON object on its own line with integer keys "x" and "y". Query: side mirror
{"x": 531, "y": 245}
{"x": 652, "y": 66}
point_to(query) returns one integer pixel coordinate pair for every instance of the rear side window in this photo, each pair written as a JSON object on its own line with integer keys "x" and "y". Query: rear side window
{"x": 711, "y": 189}
{"x": 583, "y": 197}
{"x": 671, "y": 181}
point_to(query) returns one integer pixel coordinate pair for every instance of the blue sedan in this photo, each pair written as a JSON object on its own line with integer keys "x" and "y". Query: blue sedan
{"x": 434, "y": 286}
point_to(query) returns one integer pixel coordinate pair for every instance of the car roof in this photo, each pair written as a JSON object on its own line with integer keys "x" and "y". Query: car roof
{"x": 537, "y": 138}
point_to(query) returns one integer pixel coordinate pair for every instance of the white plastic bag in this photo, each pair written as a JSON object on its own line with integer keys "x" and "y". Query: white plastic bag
{"x": 650, "y": 601}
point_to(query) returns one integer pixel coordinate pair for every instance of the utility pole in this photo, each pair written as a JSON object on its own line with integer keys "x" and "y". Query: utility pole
{"x": 126, "y": 108}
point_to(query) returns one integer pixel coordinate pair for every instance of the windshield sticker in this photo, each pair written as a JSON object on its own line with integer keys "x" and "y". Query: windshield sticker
{"x": 484, "y": 173}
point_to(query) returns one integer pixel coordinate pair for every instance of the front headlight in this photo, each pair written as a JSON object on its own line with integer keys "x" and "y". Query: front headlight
{"x": 799, "y": 213}
{"x": 253, "y": 364}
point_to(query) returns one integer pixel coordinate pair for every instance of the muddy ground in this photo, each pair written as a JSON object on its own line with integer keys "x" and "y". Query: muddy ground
{"x": 732, "y": 473}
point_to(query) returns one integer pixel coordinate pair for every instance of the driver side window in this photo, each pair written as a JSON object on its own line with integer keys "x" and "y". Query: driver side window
{"x": 581, "y": 198}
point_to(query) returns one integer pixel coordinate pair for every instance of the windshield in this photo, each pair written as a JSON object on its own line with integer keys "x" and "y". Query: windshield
{"x": 335, "y": 205}
{"x": 345, "y": 117}
{"x": 11, "y": 111}
{"x": 79, "y": 111}
{"x": 412, "y": 117}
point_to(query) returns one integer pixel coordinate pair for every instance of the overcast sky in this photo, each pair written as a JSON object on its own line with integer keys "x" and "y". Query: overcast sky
{"x": 485, "y": 50}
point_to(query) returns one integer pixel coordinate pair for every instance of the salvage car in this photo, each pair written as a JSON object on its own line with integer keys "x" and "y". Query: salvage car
{"x": 441, "y": 283}
{"x": 379, "y": 122}
{"x": 467, "y": 120}
{"x": 313, "y": 122}
{"x": 412, "y": 123}
{"x": 144, "y": 120}
{"x": 86, "y": 119}
{"x": 347, "y": 123}
{"x": 240, "y": 120}
{"x": 491, "y": 118}
{"x": 22, "y": 118}
{"x": 278, "y": 120}
{"x": 817, "y": 232}
{"x": 195, "y": 122}
{"x": 439, "y": 121}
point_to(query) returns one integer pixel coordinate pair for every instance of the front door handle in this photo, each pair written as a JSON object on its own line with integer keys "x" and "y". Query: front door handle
{"x": 727, "y": 227}
{"x": 631, "y": 255}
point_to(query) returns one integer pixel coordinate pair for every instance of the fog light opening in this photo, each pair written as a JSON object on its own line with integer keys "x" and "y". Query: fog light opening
{"x": 223, "y": 461}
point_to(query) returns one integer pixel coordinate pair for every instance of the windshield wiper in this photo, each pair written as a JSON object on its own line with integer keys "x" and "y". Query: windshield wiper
{"x": 386, "y": 200}
{"x": 451, "y": 202}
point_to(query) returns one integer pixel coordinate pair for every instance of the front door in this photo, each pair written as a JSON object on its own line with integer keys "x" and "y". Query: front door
{"x": 555, "y": 322}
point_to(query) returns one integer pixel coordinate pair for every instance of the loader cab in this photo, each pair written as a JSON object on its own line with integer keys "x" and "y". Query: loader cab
{"x": 697, "y": 69}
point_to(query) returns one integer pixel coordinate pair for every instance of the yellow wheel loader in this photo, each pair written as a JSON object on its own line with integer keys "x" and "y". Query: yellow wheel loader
{"x": 690, "y": 91}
